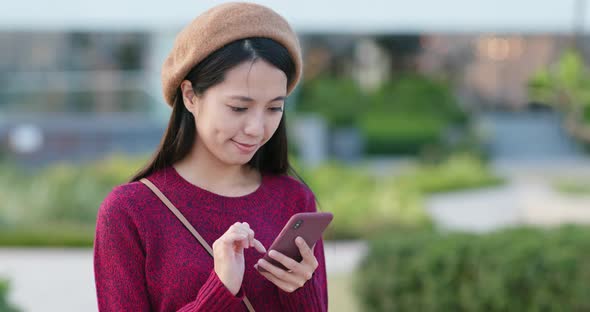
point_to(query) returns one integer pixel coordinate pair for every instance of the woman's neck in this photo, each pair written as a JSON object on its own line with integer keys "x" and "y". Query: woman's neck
{"x": 215, "y": 176}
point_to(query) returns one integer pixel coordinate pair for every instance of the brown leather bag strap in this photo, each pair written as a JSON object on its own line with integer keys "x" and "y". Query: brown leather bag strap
{"x": 187, "y": 224}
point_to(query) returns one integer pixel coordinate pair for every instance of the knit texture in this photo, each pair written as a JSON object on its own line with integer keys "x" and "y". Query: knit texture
{"x": 146, "y": 260}
{"x": 218, "y": 27}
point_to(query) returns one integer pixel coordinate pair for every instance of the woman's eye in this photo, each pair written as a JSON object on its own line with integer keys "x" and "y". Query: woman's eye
{"x": 276, "y": 109}
{"x": 238, "y": 109}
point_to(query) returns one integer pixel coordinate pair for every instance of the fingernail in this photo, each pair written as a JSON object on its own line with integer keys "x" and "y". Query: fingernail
{"x": 299, "y": 239}
{"x": 272, "y": 253}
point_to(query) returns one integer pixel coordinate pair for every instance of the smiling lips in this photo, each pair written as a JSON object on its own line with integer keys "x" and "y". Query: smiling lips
{"x": 245, "y": 148}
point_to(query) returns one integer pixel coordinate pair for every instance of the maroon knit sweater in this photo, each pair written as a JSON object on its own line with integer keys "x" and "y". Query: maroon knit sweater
{"x": 146, "y": 260}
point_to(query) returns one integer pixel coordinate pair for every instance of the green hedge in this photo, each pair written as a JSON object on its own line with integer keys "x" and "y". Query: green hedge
{"x": 339, "y": 101}
{"x": 458, "y": 172}
{"x": 58, "y": 206}
{"x": 364, "y": 205}
{"x": 62, "y": 192}
{"x": 5, "y": 305}
{"x": 48, "y": 235}
{"x": 417, "y": 95}
{"x": 575, "y": 187}
{"x": 402, "y": 134}
{"x": 403, "y": 116}
{"x": 522, "y": 269}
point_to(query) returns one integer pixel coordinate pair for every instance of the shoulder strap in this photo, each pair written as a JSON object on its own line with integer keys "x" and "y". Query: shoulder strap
{"x": 187, "y": 224}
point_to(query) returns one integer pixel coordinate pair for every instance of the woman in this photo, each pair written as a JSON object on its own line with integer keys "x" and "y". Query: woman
{"x": 223, "y": 164}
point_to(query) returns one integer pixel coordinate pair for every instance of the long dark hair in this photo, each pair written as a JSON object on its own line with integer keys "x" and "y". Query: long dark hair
{"x": 178, "y": 140}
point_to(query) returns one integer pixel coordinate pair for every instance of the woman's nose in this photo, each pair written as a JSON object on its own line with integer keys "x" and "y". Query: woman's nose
{"x": 255, "y": 125}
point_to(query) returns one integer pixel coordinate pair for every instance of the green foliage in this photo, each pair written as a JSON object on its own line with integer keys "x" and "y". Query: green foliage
{"x": 63, "y": 192}
{"x": 520, "y": 269}
{"x": 5, "y": 306}
{"x": 459, "y": 172}
{"x": 401, "y": 117}
{"x": 565, "y": 85}
{"x": 416, "y": 95}
{"x": 64, "y": 234}
{"x": 576, "y": 187}
{"x": 58, "y": 206}
{"x": 340, "y": 101}
{"x": 363, "y": 205}
{"x": 400, "y": 133}
{"x": 408, "y": 115}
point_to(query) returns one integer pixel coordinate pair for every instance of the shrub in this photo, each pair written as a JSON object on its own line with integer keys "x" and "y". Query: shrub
{"x": 5, "y": 306}
{"x": 62, "y": 192}
{"x": 339, "y": 101}
{"x": 417, "y": 96}
{"x": 575, "y": 187}
{"x": 458, "y": 172}
{"x": 521, "y": 269}
{"x": 363, "y": 205}
{"x": 48, "y": 235}
{"x": 404, "y": 116}
{"x": 64, "y": 199}
{"x": 396, "y": 133}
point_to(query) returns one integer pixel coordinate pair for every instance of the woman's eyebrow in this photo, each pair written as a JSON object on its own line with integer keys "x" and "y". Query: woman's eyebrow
{"x": 248, "y": 99}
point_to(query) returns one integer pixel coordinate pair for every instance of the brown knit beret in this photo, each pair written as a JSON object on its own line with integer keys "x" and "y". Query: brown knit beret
{"x": 218, "y": 27}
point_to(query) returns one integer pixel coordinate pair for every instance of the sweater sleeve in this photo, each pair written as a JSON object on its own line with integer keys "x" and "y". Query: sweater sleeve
{"x": 313, "y": 296}
{"x": 119, "y": 258}
{"x": 214, "y": 296}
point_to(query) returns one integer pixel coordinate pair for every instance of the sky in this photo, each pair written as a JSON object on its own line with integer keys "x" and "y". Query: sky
{"x": 308, "y": 16}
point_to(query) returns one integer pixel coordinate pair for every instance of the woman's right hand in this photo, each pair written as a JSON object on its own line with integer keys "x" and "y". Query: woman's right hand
{"x": 228, "y": 254}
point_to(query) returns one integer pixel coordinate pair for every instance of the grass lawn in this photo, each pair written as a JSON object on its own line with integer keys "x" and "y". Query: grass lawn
{"x": 340, "y": 294}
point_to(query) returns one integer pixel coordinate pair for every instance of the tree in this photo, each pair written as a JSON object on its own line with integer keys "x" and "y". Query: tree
{"x": 565, "y": 85}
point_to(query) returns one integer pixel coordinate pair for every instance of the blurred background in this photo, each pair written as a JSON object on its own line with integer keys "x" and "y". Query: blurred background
{"x": 449, "y": 138}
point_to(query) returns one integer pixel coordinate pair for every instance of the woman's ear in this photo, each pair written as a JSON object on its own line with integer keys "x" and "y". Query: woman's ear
{"x": 189, "y": 97}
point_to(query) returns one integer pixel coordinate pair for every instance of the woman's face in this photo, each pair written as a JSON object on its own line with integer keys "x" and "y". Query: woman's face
{"x": 237, "y": 116}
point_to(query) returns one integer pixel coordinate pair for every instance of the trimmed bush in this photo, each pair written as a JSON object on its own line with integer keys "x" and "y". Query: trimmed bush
{"x": 5, "y": 306}
{"x": 62, "y": 192}
{"x": 404, "y": 116}
{"x": 58, "y": 206}
{"x": 458, "y": 172}
{"x": 402, "y": 134}
{"x": 575, "y": 187}
{"x": 417, "y": 95}
{"x": 363, "y": 205}
{"x": 339, "y": 101}
{"x": 521, "y": 269}
{"x": 48, "y": 235}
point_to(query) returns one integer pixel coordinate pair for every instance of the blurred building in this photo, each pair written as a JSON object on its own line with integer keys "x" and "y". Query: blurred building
{"x": 490, "y": 71}
{"x": 83, "y": 78}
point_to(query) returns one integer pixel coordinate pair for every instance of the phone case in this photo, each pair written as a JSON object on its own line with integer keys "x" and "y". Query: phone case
{"x": 308, "y": 225}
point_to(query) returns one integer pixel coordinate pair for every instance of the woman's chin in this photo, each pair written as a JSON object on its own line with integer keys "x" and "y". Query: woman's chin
{"x": 238, "y": 160}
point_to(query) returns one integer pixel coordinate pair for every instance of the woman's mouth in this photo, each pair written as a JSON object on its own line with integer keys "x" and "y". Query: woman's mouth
{"x": 245, "y": 148}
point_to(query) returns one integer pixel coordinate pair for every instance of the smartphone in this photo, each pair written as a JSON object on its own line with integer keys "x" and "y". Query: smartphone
{"x": 308, "y": 225}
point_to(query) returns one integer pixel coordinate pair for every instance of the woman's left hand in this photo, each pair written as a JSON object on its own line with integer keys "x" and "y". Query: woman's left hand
{"x": 299, "y": 272}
